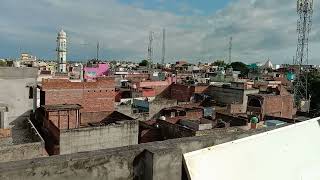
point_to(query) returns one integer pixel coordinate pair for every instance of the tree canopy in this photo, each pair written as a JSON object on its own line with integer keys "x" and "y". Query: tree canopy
{"x": 144, "y": 63}
{"x": 219, "y": 63}
{"x": 240, "y": 66}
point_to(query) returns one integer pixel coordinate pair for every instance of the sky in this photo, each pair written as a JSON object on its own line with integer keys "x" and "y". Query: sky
{"x": 197, "y": 30}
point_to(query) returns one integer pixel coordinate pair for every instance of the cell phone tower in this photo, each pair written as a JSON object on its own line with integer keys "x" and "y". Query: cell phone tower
{"x": 150, "y": 50}
{"x": 163, "y": 46}
{"x": 230, "y": 50}
{"x": 301, "y": 94}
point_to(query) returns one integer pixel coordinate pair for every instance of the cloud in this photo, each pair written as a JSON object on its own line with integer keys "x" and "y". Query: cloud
{"x": 261, "y": 29}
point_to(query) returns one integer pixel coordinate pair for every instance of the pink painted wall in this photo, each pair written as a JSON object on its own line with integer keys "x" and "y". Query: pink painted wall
{"x": 94, "y": 72}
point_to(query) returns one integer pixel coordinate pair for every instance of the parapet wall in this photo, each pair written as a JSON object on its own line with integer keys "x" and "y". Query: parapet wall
{"x": 27, "y": 144}
{"x": 156, "y": 160}
{"x": 18, "y": 73}
{"x": 94, "y": 138}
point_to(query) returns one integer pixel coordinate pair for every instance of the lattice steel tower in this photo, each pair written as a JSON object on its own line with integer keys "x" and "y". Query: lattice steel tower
{"x": 163, "y": 46}
{"x": 150, "y": 50}
{"x": 305, "y": 11}
{"x": 230, "y": 50}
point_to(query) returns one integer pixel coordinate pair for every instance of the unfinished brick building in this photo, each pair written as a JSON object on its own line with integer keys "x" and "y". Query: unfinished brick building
{"x": 183, "y": 93}
{"x": 278, "y": 104}
{"x": 64, "y": 133}
{"x": 97, "y": 98}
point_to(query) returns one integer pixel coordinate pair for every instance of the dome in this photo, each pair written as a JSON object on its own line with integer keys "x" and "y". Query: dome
{"x": 62, "y": 33}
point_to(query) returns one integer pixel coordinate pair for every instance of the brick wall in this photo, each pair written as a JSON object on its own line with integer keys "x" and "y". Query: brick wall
{"x": 194, "y": 114}
{"x": 63, "y": 116}
{"x": 97, "y": 96}
{"x": 148, "y": 93}
{"x": 279, "y": 106}
{"x": 181, "y": 92}
{"x": 201, "y": 89}
{"x": 5, "y": 133}
{"x": 162, "y": 88}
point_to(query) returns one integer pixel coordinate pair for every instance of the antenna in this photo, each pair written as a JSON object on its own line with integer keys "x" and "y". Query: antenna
{"x": 150, "y": 49}
{"x": 301, "y": 94}
{"x": 98, "y": 49}
{"x": 163, "y": 46}
{"x": 230, "y": 50}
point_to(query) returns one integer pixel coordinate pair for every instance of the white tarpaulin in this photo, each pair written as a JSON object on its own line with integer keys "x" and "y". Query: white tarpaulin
{"x": 288, "y": 153}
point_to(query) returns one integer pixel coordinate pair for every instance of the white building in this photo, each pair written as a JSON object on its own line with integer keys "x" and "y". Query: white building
{"x": 62, "y": 52}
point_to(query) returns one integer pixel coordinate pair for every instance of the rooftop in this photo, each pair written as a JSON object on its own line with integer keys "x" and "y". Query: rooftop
{"x": 61, "y": 107}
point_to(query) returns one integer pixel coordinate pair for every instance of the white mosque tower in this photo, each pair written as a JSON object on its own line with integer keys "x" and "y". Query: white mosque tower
{"x": 62, "y": 52}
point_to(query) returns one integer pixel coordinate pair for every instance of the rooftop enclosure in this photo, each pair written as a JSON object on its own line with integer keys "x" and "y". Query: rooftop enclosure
{"x": 95, "y": 97}
{"x": 17, "y": 95}
{"x": 156, "y": 160}
{"x": 288, "y": 153}
{"x": 228, "y": 95}
{"x": 272, "y": 105}
{"x": 62, "y": 116}
{"x": 67, "y": 135}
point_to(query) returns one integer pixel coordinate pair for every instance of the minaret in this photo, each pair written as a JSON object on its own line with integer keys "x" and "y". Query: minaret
{"x": 62, "y": 52}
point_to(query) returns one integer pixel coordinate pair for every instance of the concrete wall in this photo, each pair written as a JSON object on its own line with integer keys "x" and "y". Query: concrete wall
{"x": 158, "y": 104}
{"x": 155, "y": 107}
{"x": 116, "y": 164}
{"x": 14, "y": 93}
{"x": 225, "y": 95}
{"x": 27, "y": 144}
{"x": 22, "y": 151}
{"x": 94, "y": 138}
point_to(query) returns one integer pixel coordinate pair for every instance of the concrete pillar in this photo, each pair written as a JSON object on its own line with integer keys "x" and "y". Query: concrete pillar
{"x": 158, "y": 164}
{"x": 34, "y": 105}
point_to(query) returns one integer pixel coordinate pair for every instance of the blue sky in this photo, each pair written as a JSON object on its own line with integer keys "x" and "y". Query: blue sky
{"x": 182, "y": 7}
{"x": 197, "y": 30}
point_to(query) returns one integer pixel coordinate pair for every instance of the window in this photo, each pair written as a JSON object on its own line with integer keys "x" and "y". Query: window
{"x": 30, "y": 92}
{"x": 254, "y": 103}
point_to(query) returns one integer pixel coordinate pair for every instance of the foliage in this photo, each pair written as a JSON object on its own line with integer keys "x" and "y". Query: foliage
{"x": 240, "y": 66}
{"x": 220, "y": 63}
{"x": 144, "y": 63}
{"x": 3, "y": 63}
{"x": 314, "y": 85}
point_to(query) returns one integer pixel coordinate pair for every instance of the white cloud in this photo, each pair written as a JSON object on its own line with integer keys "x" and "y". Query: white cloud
{"x": 261, "y": 29}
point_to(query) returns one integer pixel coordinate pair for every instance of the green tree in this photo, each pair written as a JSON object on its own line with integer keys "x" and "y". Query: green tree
{"x": 240, "y": 66}
{"x": 314, "y": 85}
{"x": 3, "y": 63}
{"x": 144, "y": 63}
{"x": 220, "y": 63}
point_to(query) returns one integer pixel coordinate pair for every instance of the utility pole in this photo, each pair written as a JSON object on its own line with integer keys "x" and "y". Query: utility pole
{"x": 230, "y": 50}
{"x": 163, "y": 46}
{"x": 150, "y": 50}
